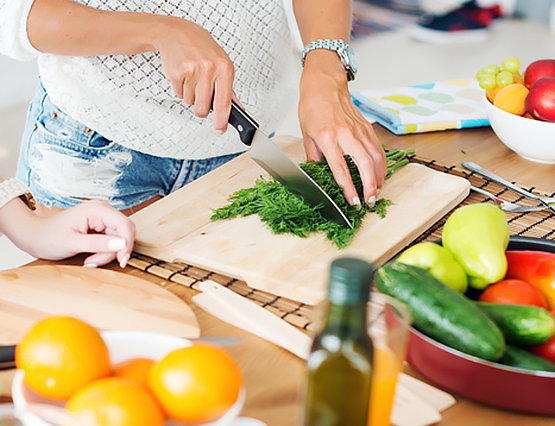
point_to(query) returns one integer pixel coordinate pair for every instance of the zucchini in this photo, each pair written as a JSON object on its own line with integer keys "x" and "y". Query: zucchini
{"x": 522, "y": 325}
{"x": 521, "y": 358}
{"x": 441, "y": 312}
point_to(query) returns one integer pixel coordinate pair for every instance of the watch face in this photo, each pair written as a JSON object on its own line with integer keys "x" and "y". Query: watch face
{"x": 352, "y": 58}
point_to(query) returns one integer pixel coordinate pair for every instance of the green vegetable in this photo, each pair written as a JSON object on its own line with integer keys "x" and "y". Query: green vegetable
{"x": 521, "y": 358}
{"x": 441, "y": 312}
{"x": 285, "y": 213}
{"x": 438, "y": 261}
{"x": 477, "y": 235}
{"x": 522, "y": 325}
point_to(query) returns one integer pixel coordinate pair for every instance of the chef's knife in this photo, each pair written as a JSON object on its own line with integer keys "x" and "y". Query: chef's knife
{"x": 272, "y": 159}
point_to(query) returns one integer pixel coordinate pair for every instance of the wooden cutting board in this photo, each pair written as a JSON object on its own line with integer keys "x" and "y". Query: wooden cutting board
{"x": 178, "y": 227}
{"x": 106, "y": 299}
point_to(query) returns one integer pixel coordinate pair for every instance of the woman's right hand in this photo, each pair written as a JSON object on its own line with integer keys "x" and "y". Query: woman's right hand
{"x": 199, "y": 70}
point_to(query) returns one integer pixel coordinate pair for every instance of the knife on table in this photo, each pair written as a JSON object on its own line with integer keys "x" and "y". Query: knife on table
{"x": 7, "y": 357}
{"x": 282, "y": 168}
{"x": 7, "y": 352}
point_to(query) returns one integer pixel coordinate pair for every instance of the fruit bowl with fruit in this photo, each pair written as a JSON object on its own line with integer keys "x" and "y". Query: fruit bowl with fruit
{"x": 521, "y": 108}
{"x": 138, "y": 378}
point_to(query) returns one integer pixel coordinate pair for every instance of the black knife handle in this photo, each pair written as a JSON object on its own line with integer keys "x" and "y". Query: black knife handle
{"x": 244, "y": 123}
{"x": 7, "y": 357}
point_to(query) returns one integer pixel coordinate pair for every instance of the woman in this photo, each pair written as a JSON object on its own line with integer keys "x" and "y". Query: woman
{"x": 122, "y": 112}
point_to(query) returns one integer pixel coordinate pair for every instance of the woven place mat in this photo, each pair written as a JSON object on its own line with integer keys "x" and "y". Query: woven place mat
{"x": 533, "y": 224}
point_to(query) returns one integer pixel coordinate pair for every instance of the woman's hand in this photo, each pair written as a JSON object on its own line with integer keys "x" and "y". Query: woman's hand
{"x": 199, "y": 70}
{"x": 92, "y": 227}
{"x": 332, "y": 126}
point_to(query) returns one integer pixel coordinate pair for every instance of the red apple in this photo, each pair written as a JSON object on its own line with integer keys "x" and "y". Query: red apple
{"x": 537, "y": 70}
{"x": 540, "y": 102}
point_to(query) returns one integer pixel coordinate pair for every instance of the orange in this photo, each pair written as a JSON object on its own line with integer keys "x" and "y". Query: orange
{"x": 136, "y": 369}
{"x": 114, "y": 401}
{"x": 492, "y": 93}
{"x": 517, "y": 79}
{"x": 196, "y": 384}
{"x": 61, "y": 354}
{"x": 511, "y": 99}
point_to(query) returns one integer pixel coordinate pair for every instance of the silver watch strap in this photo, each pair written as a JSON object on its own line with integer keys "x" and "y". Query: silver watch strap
{"x": 323, "y": 44}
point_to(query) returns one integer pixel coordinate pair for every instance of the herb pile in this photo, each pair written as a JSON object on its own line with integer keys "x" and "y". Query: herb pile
{"x": 283, "y": 212}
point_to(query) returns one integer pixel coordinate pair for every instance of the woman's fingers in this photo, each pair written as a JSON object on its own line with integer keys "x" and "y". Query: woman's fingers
{"x": 199, "y": 70}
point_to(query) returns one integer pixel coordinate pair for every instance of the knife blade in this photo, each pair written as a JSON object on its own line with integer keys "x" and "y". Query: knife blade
{"x": 282, "y": 168}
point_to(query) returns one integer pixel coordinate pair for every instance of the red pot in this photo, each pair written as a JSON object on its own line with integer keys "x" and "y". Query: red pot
{"x": 483, "y": 381}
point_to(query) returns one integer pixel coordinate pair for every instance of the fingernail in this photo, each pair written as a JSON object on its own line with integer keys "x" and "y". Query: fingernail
{"x": 90, "y": 265}
{"x": 372, "y": 201}
{"x": 356, "y": 201}
{"x": 220, "y": 132}
{"x": 116, "y": 244}
{"x": 378, "y": 191}
{"x": 124, "y": 260}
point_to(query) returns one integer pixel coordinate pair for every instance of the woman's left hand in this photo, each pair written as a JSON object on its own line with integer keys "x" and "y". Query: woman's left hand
{"x": 333, "y": 127}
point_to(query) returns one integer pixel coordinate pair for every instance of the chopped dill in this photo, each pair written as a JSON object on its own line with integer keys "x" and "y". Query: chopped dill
{"x": 283, "y": 212}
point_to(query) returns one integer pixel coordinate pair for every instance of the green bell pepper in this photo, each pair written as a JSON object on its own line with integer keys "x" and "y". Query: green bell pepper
{"x": 477, "y": 235}
{"x": 439, "y": 262}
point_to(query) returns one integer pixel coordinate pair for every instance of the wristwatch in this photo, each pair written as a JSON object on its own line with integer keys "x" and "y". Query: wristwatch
{"x": 12, "y": 188}
{"x": 345, "y": 52}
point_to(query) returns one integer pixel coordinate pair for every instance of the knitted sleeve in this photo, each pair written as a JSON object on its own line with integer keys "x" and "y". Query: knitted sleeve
{"x": 14, "y": 41}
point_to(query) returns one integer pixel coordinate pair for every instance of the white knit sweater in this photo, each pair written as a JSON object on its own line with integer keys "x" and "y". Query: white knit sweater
{"x": 128, "y": 99}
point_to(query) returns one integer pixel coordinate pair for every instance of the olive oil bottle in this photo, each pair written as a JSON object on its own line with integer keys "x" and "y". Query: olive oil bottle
{"x": 340, "y": 362}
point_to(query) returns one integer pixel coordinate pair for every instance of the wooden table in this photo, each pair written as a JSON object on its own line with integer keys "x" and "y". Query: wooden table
{"x": 274, "y": 378}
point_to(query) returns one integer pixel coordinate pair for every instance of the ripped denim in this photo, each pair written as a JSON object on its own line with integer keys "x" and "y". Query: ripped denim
{"x": 64, "y": 163}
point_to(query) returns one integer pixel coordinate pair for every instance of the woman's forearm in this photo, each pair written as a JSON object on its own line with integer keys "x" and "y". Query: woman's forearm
{"x": 65, "y": 27}
{"x": 321, "y": 19}
{"x": 18, "y": 223}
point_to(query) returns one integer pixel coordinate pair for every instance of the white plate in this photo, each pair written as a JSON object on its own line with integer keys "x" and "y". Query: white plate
{"x": 122, "y": 345}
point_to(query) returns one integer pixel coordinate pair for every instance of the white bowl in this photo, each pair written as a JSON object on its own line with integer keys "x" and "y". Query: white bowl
{"x": 532, "y": 139}
{"x": 122, "y": 345}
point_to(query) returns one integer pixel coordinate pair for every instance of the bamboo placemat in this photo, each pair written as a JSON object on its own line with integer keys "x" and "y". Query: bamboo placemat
{"x": 534, "y": 224}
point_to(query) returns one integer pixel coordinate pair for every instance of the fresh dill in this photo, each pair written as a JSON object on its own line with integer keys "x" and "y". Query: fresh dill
{"x": 283, "y": 212}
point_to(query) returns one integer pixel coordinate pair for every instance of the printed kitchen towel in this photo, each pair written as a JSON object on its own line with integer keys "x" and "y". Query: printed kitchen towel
{"x": 443, "y": 105}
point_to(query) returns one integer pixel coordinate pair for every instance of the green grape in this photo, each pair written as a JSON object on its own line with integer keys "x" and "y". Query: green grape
{"x": 487, "y": 81}
{"x": 511, "y": 64}
{"x": 492, "y": 69}
{"x": 480, "y": 74}
{"x": 504, "y": 78}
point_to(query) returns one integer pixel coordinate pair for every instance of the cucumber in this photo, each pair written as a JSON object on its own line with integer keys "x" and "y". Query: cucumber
{"x": 521, "y": 358}
{"x": 441, "y": 312}
{"x": 522, "y": 325}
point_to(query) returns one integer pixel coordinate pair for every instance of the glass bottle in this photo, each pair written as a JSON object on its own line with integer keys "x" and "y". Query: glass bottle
{"x": 340, "y": 362}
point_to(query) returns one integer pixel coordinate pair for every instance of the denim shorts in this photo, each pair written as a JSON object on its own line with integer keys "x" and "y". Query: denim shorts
{"x": 64, "y": 163}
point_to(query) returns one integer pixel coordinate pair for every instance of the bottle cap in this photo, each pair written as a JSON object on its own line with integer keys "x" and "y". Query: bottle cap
{"x": 350, "y": 281}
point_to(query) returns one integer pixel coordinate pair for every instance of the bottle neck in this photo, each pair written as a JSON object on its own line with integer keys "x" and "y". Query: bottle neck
{"x": 346, "y": 320}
